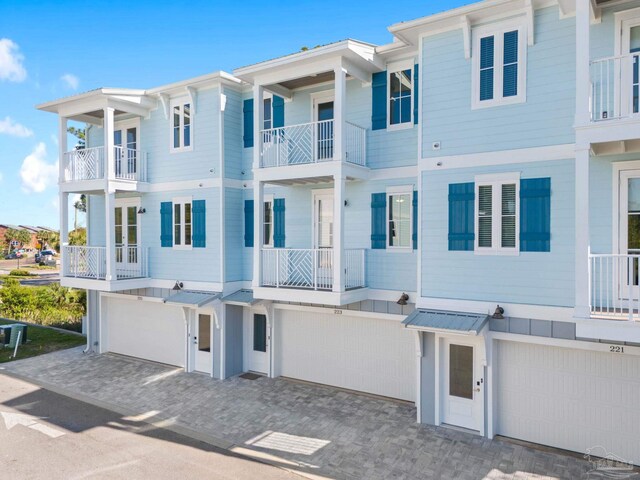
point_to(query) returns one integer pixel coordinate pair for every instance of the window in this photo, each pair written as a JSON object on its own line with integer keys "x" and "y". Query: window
{"x": 268, "y": 114}
{"x": 268, "y": 221}
{"x": 499, "y": 65}
{"x": 399, "y": 207}
{"x": 181, "y": 127}
{"x": 400, "y": 95}
{"x": 259, "y": 333}
{"x": 497, "y": 204}
{"x": 182, "y": 223}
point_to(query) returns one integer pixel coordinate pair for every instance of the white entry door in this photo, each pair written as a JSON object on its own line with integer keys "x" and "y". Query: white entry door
{"x": 203, "y": 343}
{"x": 256, "y": 343}
{"x": 462, "y": 385}
{"x": 323, "y": 237}
{"x": 629, "y": 243}
{"x": 125, "y": 141}
{"x": 127, "y": 235}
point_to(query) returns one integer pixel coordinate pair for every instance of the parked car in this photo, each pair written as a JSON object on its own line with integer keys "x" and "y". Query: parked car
{"x": 45, "y": 256}
{"x": 11, "y": 256}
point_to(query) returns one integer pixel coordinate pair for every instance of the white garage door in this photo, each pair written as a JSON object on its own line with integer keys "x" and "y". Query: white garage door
{"x": 571, "y": 399}
{"x": 365, "y": 354}
{"x": 152, "y": 331}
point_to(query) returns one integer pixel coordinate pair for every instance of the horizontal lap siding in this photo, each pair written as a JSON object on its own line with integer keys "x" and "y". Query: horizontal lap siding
{"x": 233, "y": 166}
{"x": 546, "y": 118}
{"x": 233, "y": 234}
{"x": 96, "y": 221}
{"x": 544, "y": 278}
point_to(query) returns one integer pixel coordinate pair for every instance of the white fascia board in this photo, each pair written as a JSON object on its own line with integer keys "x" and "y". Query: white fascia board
{"x": 310, "y": 296}
{"x": 560, "y": 343}
{"x": 211, "y": 79}
{"x": 53, "y": 106}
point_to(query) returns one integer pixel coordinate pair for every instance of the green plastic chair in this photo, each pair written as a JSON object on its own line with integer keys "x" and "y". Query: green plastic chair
{"x": 13, "y": 339}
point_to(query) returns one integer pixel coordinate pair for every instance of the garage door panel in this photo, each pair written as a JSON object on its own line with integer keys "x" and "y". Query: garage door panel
{"x": 144, "y": 330}
{"x": 569, "y": 398}
{"x": 366, "y": 354}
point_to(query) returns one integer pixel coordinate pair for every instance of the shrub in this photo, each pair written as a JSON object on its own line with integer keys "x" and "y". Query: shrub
{"x": 20, "y": 273}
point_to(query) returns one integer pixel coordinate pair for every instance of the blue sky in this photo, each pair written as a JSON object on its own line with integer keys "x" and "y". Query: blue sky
{"x": 51, "y": 49}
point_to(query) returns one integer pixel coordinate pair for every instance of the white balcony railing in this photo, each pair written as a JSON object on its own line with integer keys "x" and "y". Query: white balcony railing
{"x": 614, "y": 87}
{"x": 89, "y": 164}
{"x": 309, "y": 143}
{"x": 614, "y": 290}
{"x": 309, "y": 268}
{"x": 82, "y": 261}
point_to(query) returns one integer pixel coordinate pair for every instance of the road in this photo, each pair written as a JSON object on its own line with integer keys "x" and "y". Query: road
{"x": 44, "y": 435}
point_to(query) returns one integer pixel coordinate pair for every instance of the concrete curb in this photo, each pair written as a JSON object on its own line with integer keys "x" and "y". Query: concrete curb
{"x": 166, "y": 423}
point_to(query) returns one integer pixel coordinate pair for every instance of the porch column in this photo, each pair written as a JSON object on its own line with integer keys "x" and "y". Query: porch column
{"x": 583, "y": 76}
{"x": 338, "y": 233}
{"x": 109, "y": 151}
{"x": 339, "y": 113}
{"x": 258, "y": 124}
{"x": 258, "y": 240}
{"x": 64, "y": 232}
{"x": 62, "y": 147}
{"x": 110, "y": 254}
{"x": 582, "y": 309}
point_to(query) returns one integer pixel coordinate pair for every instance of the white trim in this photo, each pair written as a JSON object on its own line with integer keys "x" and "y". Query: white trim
{"x": 181, "y": 102}
{"x": 397, "y": 190}
{"x": 620, "y": 18}
{"x": 323, "y": 96}
{"x": 617, "y": 169}
{"x": 498, "y": 30}
{"x": 315, "y": 193}
{"x": 332, "y": 311}
{"x": 181, "y": 201}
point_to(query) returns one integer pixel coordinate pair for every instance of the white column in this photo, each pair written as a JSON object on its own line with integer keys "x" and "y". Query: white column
{"x": 258, "y": 123}
{"x": 62, "y": 147}
{"x": 109, "y": 152}
{"x": 258, "y": 240}
{"x": 582, "y": 233}
{"x": 109, "y": 216}
{"x": 339, "y": 114}
{"x": 64, "y": 231}
{"x": 338, "y": 233}
{"x": 583, "y": 80}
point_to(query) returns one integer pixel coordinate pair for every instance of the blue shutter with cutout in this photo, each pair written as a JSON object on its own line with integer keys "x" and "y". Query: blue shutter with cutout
{"x": 461, "y": 216}
{"x": 510, "y": 64}
{"x": 248, "y": 223}
{"x": 279, "y": 223}
{"x": 378, "y": 220}
{"x": 416, "y": 89}
{"x": 535, "y": 215}
{"x": 166, "y": 224}
{"x": 278, "y": 111}
{"x": 414, "y": 220}
{"x": 379, "y": 101}
{"x": 247, "y": 111}
{"x": 486, "y": 68}
{"x": 199, "y": 219}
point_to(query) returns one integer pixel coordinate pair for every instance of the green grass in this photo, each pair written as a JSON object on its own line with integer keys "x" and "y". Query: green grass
{"x": 40, "y": 340}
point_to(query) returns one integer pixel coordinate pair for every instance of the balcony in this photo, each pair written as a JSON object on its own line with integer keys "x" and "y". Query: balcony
{"x": 89, "y": 165}
{"x": 309, "y": 143}
{"x": 614, "y": 87}
{"x": 614, "y": 290}
{"x": 90, "y": 263}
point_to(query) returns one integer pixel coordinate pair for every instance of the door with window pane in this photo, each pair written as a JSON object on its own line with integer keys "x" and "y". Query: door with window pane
{"x": 125, "y": 142}
{"x": 629, "y": 234}
{"x": 126, "y": 240}
{"x": 324, "y": 142}
{"x": 323, "y": 236}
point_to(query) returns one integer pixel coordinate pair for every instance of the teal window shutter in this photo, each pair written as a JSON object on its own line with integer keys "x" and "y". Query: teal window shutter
{"x": 414, "y": 220}
{"x": 166, "y": 224}
{"x": 486, "y": 68}
{"x": 461, "y": 216}
{"x": 379, "y": 101}
{"x": 247, "y": 111}
{"x": 278, "y": 111}
{"x": 199, "y": 235}
{"x": 535, "y": 215}
{"x": 510, "y": 64}
{"x": 416, "y": 85}
{"x": 248, "y": 223}
{"x": 278, "y": 220}
{"x": 378, "y": 220}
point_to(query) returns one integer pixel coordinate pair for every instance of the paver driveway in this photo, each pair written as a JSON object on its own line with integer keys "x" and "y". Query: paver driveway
{"x": 347, "y": 435}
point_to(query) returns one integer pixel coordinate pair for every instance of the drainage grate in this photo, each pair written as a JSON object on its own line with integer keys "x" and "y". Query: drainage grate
{"x": 250, "y": 376}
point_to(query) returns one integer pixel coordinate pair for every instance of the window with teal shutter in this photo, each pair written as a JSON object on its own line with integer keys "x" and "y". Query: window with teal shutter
{"x": 461, "y": 216}
{"x": 247, "y": 111}
{"x": 486, "y": 67}
{"x": 379, "y": 101}
{"x": 248, "y": 223}
{"x": 199, "y": 236}
{"x": 166, "y": 224}
{"x": 510, "y": 64}
{"x": 414, "y": 220}
{"x": 416, "y": 88}
{"x": 535, "y": 215}
{"x": 378, "y": 220}
{"x": 279, "y": 223}
{"x": 278, "y": 112}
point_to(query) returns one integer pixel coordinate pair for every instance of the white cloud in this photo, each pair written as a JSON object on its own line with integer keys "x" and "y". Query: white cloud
{"x": 70, "y": 80}
{"x": 9, "y": 127}
{"x": 11, "y": 59}
{"x": 35, "y": 172}
{"x": 55, "y": 203}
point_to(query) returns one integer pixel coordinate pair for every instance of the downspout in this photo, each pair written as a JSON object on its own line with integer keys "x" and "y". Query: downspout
{"x": 185, "y": 315}
{"x": 223, "y": 101}
{"x": 89, "y": 305}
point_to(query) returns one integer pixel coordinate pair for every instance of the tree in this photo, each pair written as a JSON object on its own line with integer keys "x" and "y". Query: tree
{"x": 79, "y": 133}
{"x": 78, "y": 236}
{"x": 17, "y": 237}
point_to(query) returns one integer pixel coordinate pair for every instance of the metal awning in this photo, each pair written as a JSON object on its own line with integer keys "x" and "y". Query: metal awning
{"x": 190, "y": 298}
{"x": 241, "y": 297}
{"x": 446, "y": 321}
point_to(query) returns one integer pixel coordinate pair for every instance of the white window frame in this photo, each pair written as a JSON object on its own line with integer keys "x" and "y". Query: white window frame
{"x": 496, "y": 181}
{"x": 181, "y": 102}
{"x": 498, "y": 30}
{"x": 267, "y": 96}
{"x": 394, "y": 191}
{"x": 394, "y": 68}
{"x": 268, "y": 242}
{"x": 181, "y": 201}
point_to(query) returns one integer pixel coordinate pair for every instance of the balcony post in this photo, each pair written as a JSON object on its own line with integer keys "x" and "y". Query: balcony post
{"x": 62, "y": 148}
{"x": 258, "y": 124}
{"x": 110, "y": 250}
{"x": 64, "y": 228}
{"x": 258, "y": 241}
{"x": 339, "y": 113}
{"x": 582, "y": 280}
{"x": 109, "y": 150}
{"x": 583, "y": 74}
{"x": 338, "y": 233}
